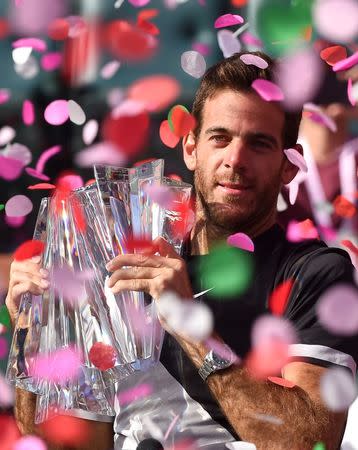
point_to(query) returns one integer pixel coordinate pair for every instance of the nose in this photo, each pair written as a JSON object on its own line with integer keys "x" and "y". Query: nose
{"x": 236, "y": 156}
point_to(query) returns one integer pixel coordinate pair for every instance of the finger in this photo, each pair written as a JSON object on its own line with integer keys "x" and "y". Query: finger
{"x": 141, "y": 260}
{"x": 134, "y": 273}
{"x": 165, "y": 249}
{"x": 28, "y": 286}
{"x": 25, "y": 266}
{"x": 23, "y": 277}
{"x": 131, "y": 285}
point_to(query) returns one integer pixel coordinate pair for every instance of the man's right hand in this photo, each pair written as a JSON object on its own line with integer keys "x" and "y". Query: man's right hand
{"x": 25, "y": 276}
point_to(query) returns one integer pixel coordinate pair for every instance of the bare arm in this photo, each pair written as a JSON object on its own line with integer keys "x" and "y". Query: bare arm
{"x": 245, "y": 401}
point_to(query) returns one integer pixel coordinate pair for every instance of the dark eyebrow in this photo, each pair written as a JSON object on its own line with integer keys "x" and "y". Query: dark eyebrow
{"x": 218, "y": 130}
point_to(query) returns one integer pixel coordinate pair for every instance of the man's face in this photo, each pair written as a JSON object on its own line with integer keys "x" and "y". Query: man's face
{"x": 238, "y": 159}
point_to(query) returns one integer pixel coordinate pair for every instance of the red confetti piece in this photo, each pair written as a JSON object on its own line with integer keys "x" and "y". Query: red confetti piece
{"x": 279, "y": 297}
{"x": 282, "y": 382}
{"x": 180, "y": 121}
{"x": 29, "y": 249}
{"x": 9, "y": 432}
{"x": 41, "y": 186}
{"x": 67, "y": 431}
{"x": 58, "y": 29}
{"x": 102, "y": 355}
{"x": 143, "y": 246}
{"x": 149, "y": 27}
{"x": 349, "y": 244}
{"x": 4, "y": 28}
{"x": 147, "y": 14}
{"x": 331, "y": 55}
{"x": 267, "y": 359}
{"x": 343, "y": 207}
{"x": 167, "y": 136}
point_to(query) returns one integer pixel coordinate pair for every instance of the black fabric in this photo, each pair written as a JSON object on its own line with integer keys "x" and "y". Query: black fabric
{"x": 314, "y": 267}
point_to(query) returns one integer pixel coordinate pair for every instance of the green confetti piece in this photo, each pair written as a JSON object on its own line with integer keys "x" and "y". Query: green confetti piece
{"x": 319, "y": 446}
{"x": 281, "y": 24}
{"x": 228, "y": 269}
{"x": 2, "y": 206}
{"x": 4, "y": 316}
{"x": 170, "y": 115}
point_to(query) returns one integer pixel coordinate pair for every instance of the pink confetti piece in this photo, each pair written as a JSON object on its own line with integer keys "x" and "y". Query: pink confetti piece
{"x": 337, "y": 388}
{"x": 110, "y": 69}
{"x": 28, "y": 112}
{"x": 351, "y": 98}
{"x": 76, "y": 113}
{"x": 7, "y": 134}
{"x": 4, "y": 96}
{"x": 69, "y": 283}
{"x": 337, "y": 310}
{"x": 269, "y": 328}
{"x": 101, "y": 153}
{"x": 249, "y": 39}
{"x": 29, "y": 442}
{"x": 128, "y": 108}
{"x": 171, "y": 426}
{"x": 254, "y": 60}
{"x": 20, "y": 152}
{"x": 193, "y": 63}
{"x": 3, "y": 347}
{"x": 221, "y": 349}
{"x": 267, "y": 90}
{"x": 299, "y": 231}
{"x": 347, "y": 63}
{"x": 228, "y": 20}
{"x": 62, "y": 365}
{"x": 295, "y": 157}
{"x": 133, "y": 394}
{"x": 6, "y": 393}
{"x": 51, "y": 61}
{"x": 160, "y": 194}
{"x": 228, "y": 43}
{"x": 202, "y": 48}
{"x": 35, "y": 43}
{"x": 34, "y": 173}
{"x": 139, "y": 3}
{"x": 293, "y": 191}
{"x": 345, "y": 14}
{"x": 90, "y": 131}
{"x": 10, "y": 168}
{"x": 57, "y": 112}
{"x": 18, "y": 206}
{"x": 241, "y": 240}
{"x": 45, "y": 156}
{"x": 319, "y": 116}
{"x": 15, "y": 222}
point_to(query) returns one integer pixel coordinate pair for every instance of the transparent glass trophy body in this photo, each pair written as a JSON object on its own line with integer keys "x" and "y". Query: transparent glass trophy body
{"x": 26, "y": 341}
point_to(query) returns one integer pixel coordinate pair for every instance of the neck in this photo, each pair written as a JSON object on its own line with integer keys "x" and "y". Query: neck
{"x": 205, "y": 234}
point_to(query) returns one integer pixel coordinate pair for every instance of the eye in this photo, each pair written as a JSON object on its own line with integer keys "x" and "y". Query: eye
{"x": 261, "y": 145}
{"x": 220, "y": 138}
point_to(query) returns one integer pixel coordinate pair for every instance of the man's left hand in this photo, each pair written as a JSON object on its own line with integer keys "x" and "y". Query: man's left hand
{"x": 152, "y": 274}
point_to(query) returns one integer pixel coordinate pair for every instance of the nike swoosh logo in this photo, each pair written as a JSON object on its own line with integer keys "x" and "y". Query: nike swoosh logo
{"x": 199, "y": 294}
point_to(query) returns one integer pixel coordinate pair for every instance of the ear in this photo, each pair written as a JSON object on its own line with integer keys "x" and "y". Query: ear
{"x": 290, "y": 170}
{"x": 189, "y": 151}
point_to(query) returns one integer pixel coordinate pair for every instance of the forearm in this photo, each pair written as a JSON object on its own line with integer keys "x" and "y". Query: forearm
{"x": 266, "y": 414}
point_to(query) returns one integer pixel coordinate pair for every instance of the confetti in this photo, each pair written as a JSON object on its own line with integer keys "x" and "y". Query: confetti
{"x": 202, "y": 48}
{"x": 67, "y": 431}
{"x": 29, "y": 249}
{"x": 4, "y": 96}
{"x": 57, "y": 112}
{"x": 41, "y": 186}
{"x": 110, "y": 69}
{"x": 101, "y": 153}
{"x": 7, "y": 134}
{"x": 9, "y": 432}
{"x": 30, "y": 442}
{"x": 28, "y": 70}
{"x": 34, "y": 43}
{"x": 51, "y": 61}
{"x": 181, "y": 122}
{"x": 76, "y": 113}
{"x": 293, "y": 191}
{"x": 133, "y": 394}
{"x": 10, "y": 168}
{"x": 193, "y": 63}
{"x": 228, "y": 270}
{"x": 6, "y": 393}
{"x": 228, "y": 43}
{"x": 343, "y": 207}
{"x": 241, "y": 240}
{"x": 317, "y": 115}
{"x": 69, "y": 283}
{"x": 197, "y": 321}
{"x": 21, "y": 55}
{"x": 228, "y": 20}
{"x": 281, "y": 203}
{"x": 267, "y": 90}
{"x": 350, "y": 94}
{"x": 167, "y": 136}
{"x": 337, "y": 310}
{"x": 90, "y": 131}
{"x": 338, "y": 389}
{"x": 155, "y": 92}
{"x": 282, "y": 382}
{"x": 221, "y": 349}
{"x": 249, "y": 39}
{"x": 332, "y": 55}
{"x": 268, "y": 328}
{"x": 18, "y": 206}
{"x": 102, "y": 355}
{"x": 59, "y": 29}
{"x": 345, "y": 13}
{"x": 60, "y": 366}
{"x": 15, "y": 222}
{"x": 267, "y": 359}
{"x": 319, "y": 446}
{"x": 347, "y": 63}
{"x": 254, "y": 60}
{"x": 295, "y": 157}
{"x": 3, "y": 347}
{"x": 279, "y": 297}
{"x": 139, "y": 3}
{"x": 28, "y": 112}
{"x": 299, "y": 231}
{"x": 160, "y": 194}
{"x": 36, "y": 174}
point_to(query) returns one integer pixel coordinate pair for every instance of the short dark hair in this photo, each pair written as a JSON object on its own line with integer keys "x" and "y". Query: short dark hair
{"x": 232, "y": 73}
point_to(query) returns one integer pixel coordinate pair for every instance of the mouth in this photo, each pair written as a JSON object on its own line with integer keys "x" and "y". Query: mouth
{"x": 234, "y": 188}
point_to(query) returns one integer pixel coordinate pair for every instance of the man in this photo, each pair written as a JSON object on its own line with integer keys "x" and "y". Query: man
{"x": 236, "y": 153}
